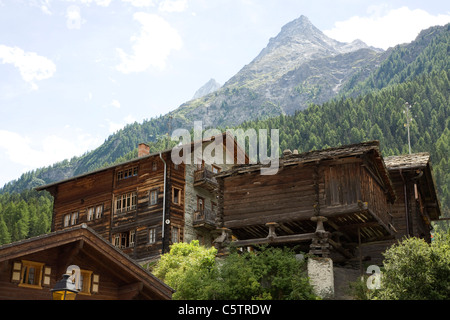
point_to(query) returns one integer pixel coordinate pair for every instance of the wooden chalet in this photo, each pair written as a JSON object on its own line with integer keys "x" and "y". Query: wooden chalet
{"x": 417, "y": 202}
{"x": 30, "y": 268}
{"x": 339, "y": 196}
{"x": 345, "y": 202}
{"x": 143, "y": 205}
{"x": 416, "y": 205}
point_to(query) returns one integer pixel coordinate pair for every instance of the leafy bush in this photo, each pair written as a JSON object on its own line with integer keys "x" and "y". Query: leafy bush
{"x": 268, "y": 273}
{"x": 187, "y": 268}
{"x": 416, "y": 270}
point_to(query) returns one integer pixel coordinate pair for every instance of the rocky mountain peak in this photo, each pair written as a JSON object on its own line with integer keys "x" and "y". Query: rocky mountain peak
{"x": 298, "y": 41}
{"x": 299, "y": 26}
{"x": 209, "y": 87}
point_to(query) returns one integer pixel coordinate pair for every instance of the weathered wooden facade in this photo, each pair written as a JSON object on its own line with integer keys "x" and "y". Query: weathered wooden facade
{"x": 417, "y": 202}
{"x": 416, "y": 205}
{"x": 30, "y": 268}
{"x": 330, "y": 201}
{"x": 143, "y": 205}
{"x": 126, "y": 204}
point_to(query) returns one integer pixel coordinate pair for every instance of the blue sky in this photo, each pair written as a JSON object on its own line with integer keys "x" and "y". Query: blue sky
{"x": 72, "y": 72}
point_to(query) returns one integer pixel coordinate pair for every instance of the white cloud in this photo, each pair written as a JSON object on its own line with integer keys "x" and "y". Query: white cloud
{"x": 384, "y": 27}
{"x": 115, "y": 104}
{"x": 173, "y": 5}
{"x": 140, "y": 3}
{"x": 73, "y": 15}
{"x": 31, "y": 66}
{"x": 53, "y": 148}
{"x": 152, "y": 46}
{"x": 102, "y": 3}
{"x": 46, "y": 10}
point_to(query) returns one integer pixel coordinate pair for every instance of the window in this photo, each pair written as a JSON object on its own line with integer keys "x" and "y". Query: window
{"x": 152, "y": 235}
{"x": 124, "y": 239}
{"x": 176, "y": 196}
{"x": 74, "y": 218}
{"x": 95, "y": 283}
{"x": 125, "y": 202}
{"x": 215, "y": 169}
{"x": 200, "y": 163}
{"x": 90, "y": 214}
{"x": 31, "y": 275}
{"x": 70, "y": 219}
{"x": 200, "y": 204}
{"x": 153, "y": 197}
{"x": 99, "y": 212}
{"x": 66, "y": 222}
{"x": 131, "y": 238}
{"x": 127, "y": 173}
{"x": 85, "y": 282}
{"x": 95, "y": 212}
{"x": 175, "y": 236}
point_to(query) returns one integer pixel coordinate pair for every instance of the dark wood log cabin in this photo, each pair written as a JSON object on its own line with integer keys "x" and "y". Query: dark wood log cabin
{"x": 30, "y": 268}
{"x": 342, "y": 202}
{"x": 125, "y": 203}
{"x": 346, "y": 189}
{"x": 417, "y": 202}
{"x": 143, "y": 205}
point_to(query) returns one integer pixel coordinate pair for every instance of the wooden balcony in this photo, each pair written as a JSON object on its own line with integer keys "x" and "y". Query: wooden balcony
{"x": 205, "y": 219}
{"x": 205, "y": 179}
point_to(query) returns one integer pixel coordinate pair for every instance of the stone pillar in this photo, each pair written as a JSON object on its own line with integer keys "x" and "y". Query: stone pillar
{"x": 320, "y": 273}
{"x": 223, "y": 240}
{"x": 320, "y": 245}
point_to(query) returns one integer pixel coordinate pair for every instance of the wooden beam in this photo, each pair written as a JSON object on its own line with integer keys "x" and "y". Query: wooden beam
{"x": 339, "y": 248}
{"x": 381, "y": 222}
{"x": 238, "y": 221}
{"x": 274, "y": 240}
{"x": 332, "y": 211}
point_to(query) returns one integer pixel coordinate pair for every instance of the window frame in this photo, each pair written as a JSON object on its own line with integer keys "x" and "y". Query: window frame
{"x": 98, "y": 215}
{"x": 215, "y": 169}
{"x": 124, "y": 240}
{"x": 85, "y": 281}
{"x": 127, "y": 173}
{"x": 178, "y": 191}
{"x": 153, "y": 201}
{"x": 90, "y": 213}
{"x": 175, "y": 232}
{"x": 125, "y": 202}
{"x": 71, "y": 219}
{"x": 37, "y": 275}
{"x": 200, "y": 208}
{"x": 152, "y": 232}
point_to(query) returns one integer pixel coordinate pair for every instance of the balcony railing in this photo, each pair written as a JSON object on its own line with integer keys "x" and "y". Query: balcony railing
{"x": 205, "y": 218}
{"x": 205, "y": 178}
